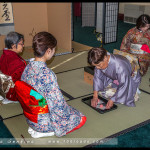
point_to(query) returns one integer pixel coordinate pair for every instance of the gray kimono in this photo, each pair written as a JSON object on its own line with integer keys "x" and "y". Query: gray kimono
{"x": 119, "y": 68}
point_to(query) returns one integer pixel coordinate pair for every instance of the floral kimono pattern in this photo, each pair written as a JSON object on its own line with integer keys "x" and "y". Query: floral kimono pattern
{"x": 61, "y": 118}
{"x": 135, "y": 36}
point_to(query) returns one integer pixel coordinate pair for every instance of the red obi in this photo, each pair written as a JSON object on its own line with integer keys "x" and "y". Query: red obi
{"x": 30, "y": 105}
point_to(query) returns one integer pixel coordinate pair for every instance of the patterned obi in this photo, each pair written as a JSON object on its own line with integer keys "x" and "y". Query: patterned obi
{"x": 31, "y": 101}
{"x": 6, "y": 83}
{"x": 136, "y": 50}
{"x": 132, "y": 59}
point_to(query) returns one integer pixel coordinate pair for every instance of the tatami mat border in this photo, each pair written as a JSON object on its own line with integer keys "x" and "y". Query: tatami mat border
{"x": 119, "y": 133}
{"x": 69, "y": 70}
{"x": 145, "y": 91}
{"x": 67, "y": 95}
{"x": 13, "y": 116}
{"x": 80, "y": 97}
{"x": 1, "y": 118}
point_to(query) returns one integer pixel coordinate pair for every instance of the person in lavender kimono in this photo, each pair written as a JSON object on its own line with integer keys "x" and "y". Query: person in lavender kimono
{"x": 114, "y": 70}
{"x": 61, "y": 118}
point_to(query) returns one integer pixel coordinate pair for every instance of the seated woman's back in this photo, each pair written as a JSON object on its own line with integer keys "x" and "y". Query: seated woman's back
{"x": 61, "y": 118}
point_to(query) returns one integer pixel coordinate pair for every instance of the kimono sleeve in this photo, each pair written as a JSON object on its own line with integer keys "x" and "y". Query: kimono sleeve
{"x": 124, "y": 90}
{"x": 98, "y": 84}
{"x": 17, "y": 74}
{"x": 126, "y": 42}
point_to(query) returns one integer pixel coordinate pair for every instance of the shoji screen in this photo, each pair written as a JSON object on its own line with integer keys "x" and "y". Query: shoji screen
{"x": 100, "y": 17}
{"x": 88, "y": 14}
{"x": 110, "y": 22}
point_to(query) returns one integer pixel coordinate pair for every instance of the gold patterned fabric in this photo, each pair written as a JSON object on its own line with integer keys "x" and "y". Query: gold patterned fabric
{"x": 135, "y": 36}
{"x": 6, "y": 83}
{"x": 109, "y": 92}
{"x": 132, "y": 59}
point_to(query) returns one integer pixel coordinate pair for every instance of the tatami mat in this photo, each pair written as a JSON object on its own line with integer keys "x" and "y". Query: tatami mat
{"x": 10, "y": 110}
{"x": 68, "y": 62}
{"x": 79, "y": 47}
{"x": 98, "y": 126}
{"x": 73, "y": 83}
{"x": 145, "y": 83}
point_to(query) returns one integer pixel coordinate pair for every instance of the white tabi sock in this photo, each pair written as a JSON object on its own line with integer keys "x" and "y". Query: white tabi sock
{"x": 36, "y": 134}
{"x": 1, "y": 98}
{"x": 6, "y": 101}
{"x": 30, "y": 130}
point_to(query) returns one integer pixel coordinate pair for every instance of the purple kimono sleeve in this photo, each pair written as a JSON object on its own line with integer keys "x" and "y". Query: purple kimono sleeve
{"x": 100, "y": 80}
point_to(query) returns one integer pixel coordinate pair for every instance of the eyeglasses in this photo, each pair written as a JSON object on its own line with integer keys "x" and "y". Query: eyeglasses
{"x": 22, "y": 44}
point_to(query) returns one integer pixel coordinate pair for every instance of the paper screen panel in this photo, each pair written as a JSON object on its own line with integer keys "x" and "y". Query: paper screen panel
{"x": 111, "y": 19}
{"x": 88, "y": 14}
